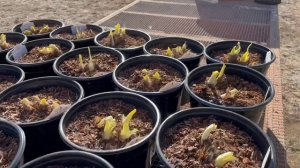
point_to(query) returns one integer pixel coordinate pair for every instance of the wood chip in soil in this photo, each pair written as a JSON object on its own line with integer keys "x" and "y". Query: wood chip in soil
{"x": 12, "y": 109}
{"x": 104, "y": 63}
{"x": 83, "y": 131}
{"x": 6, "y": 81}
{"x": 129, "y": 41}
{"x": 132, "y": 77}
{"x": 8, "y": 149}
{"x": 181, "y": 144}
{"x": 250, "y": 94}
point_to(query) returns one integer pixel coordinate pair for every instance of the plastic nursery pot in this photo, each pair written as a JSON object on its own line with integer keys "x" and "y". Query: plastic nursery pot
{"x": 168, "y": 101}
{"x": 137, "y": 155}
{"x": 253, "y": 112}
{"x": 165, "y": 42}
{"x": 259, "y": 137}
{"x": 42, "y": 136}
{"x": 10, "y": 70}
{"x": 68, "y": 159}
{"x": 127, "y": 52}
{"x": 14, "y": 37}
{"x": 40, "y": 22}
{"x": 91, "y": 85}
{"x": 33, "y": 70}
{"x": 81, "y": 42}
{"x": 13, "y": 130}
{"x": 227, "y": 45}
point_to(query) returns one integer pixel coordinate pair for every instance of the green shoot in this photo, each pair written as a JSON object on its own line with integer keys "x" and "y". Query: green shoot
{"x": 150, "y": 79}
{"x": 207, "y": 132}
{"x": 91, "y": 64}
{"x": 117, "y": 35}
{"x": 30, "y": 31}
{"x": 184, "y": 47}
{"x": 245, "y": 57}
{"x": 44, "y": 29}
{"x": 3, "y": 42}
{"x": 27, "y": 103}
{"x": 222, "y": 71}
{"x": 156, "y": 75}
{"x": 235, "y": 50}
{"x": 230, "y": 94}
{"x": 224, "y": 158}
{"x": 110, "y": 124}
{"x": 81, "y": 64}
{"x": 50, "y": 50}
{"x": 216, "y": 76}
{"x": 111, "y": 35}
{"x": 43, "y": 102}
{"x": 126, "y": 132}
{"x": 169, "y": 52}
{"x": 147, "y": 81}
{"x": 117, "y": 28}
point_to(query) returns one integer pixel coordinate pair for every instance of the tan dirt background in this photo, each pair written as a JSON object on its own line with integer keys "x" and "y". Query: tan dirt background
{"x": 89, "y": 11}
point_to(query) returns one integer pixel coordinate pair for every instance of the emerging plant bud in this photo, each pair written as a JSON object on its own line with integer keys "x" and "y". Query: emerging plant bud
{"x": 207, "y": 132}
{"x": 245, "y": 57}
{"x": 224, "y": 158}
{"x": 126, "y": 132}
{"x": 110, "y": 124}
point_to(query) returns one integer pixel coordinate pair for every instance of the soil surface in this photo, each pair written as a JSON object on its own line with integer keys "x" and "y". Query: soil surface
{"x": 8, "y": 149}
{"x": 249, "y": 93}
{"x": 83, "y": 130}
{"x": 104, "y": 63}
{"x": 13, "y": 108}
{"x": 84, "y": 34}
{"x": 34, "y": 56}
{"x": 127, "y": 41}
{"x": 254, "y": 57}
{"x": 183, "y": 148}
{"x": 133, "y": 77}
{"x": 162, "y": 50}
{"x": 6, "y": 81}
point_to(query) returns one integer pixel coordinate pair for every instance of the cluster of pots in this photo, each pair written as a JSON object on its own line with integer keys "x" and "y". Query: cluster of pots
{"x": 38, "y": 140}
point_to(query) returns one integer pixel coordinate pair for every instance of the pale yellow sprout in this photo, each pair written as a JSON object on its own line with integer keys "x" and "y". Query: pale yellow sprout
{"x": 245, "y": 57}
{"x": 91, "y": 64}
{"x": 207, "y": 132}
{"x": 51, "y": 49}
{"x": 110, "y": 124}
{"x": 169, "y": 52}
{"x": 126, "y": 132}
{"x": 224, "y": 158}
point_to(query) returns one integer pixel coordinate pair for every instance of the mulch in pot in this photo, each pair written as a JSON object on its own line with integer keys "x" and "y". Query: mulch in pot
{"x": 174, "y": 50}
{"x": 254, "y": 58}
{"x": 6, "y": 44}
{"x": 37, "y": 105}
{"x": 87, "y": 128}
{"x": 42, "y": 53}
{"x": 182, "y": 144}
{"x": 8, "y": 149}
{"x": 34, "y": 30}
{"x": 150, "y": 77}
{"x": 104, "y": 63}
{"x": 6, "y": 81}
{"x": 119, "y": 39}
{"x": 79, "y": 35}
{"x": 230, "y": 90}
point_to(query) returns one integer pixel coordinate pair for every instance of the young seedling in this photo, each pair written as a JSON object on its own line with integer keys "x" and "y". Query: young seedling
{"x": 80, "y": 34}
{"x": 3, "y": 42}
{"x": 81, "y": 64}
{"x": 30, "y": 31}
{"x": 245, "y": 57}
{"x": 44, "y": 29}
{"x": 91, "y": 64}
{"x": 224, "y": 158}
{"x": 28, "y": 104}
{"x": 149, "y": 79}
{"x": 230, "y": 94}
{"x": 207, "y": 132}
{"x": 109, "y": 126}
{"x": 126, "y": 132}
{"x": 117, "y": 35}
{"x": 169, "y": 52}
{"x": 43, "y": 102}
{"x": 111, "y": 35}
{"x": 52, "y": 49}
{"x": 216, "y": 76}
{"x": 233, "y": 54}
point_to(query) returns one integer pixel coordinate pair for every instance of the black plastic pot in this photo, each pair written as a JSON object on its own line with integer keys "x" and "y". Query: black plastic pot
{"x": 68, "y": 159}
{"x": 39, "y": 22}
{"x": 14, "y": 130}
{"x": 82, "y": 42}
{"x": 11, "y": 70}
{"x": 11, "y": 37}
{"x": 166, "y": 42}
{"x": 223, "y": 45}
{"x": 127, "y": 52}
{"x": 168, "y": 101}
{"x": 33, "y": 70}
{"x": 91, "y": 85}
{"x": 137, "y": 155}
{"x": 259, "y": 137}
{"x": 42, "y": 137}
{"x": 254, "y": 112}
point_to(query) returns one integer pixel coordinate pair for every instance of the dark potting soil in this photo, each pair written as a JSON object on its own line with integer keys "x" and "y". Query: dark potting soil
{"x": 133, "y": 77}
{"x": 61, "y": 166}
{"x": 34, "y": 56}
{"x": 249, "y": 93}
{"x": 254, "y": 57}
{"x": 83, "y": 131}
{"x": 57, "y": 98}
{"x": 182, "y": 146}
{"x": 8, "y": 149}
{"x": 127, "y": 41}
{"x": 84, "y": 34}
{"x": 6, "y": 81}
{"x": 40, "y": 30}
{"x": 163, "y": 51}
{"x": 104, "y": 63}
